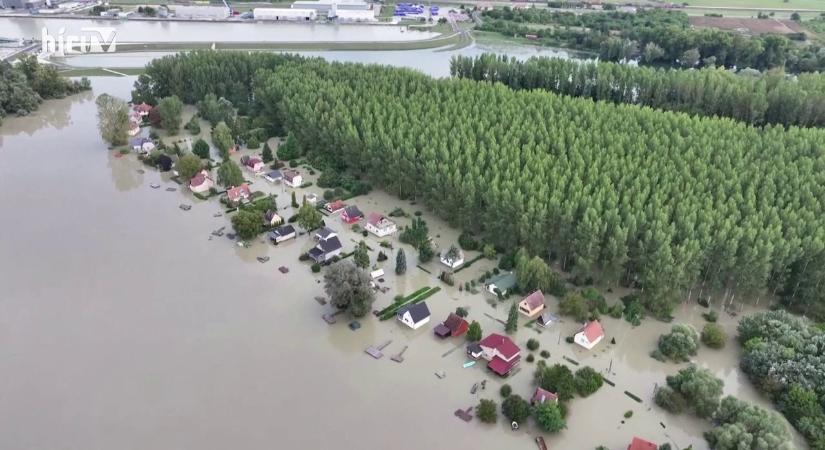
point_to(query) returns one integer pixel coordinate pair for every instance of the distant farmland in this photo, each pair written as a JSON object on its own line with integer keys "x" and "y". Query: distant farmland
{"x": 751, "y": 26}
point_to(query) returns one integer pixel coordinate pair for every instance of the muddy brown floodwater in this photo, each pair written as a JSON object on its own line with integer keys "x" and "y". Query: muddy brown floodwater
{"x": 123, "y": 326}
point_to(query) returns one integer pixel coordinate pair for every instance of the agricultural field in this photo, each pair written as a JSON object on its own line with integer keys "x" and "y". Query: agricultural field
{"x": 753, "y": 26}
{"x": 760, "y": 4}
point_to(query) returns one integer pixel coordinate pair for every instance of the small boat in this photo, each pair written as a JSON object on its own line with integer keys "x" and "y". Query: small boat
{"x": 230, "y": 236}
{"x": 321, "y": 300}
{"x": 540, "y": 443}
{"x": 171, "y": 189}
{"x": 514, "y": 425}
{"x": 185, "y": 207}
{"x": 354, "y": 325}
{"x": 441, "y": 375}
{"x": 283, "y": 269}
{"x": 154, "y": 185}
{"x": 262, "y": 259}
{"x": 474, "y": 388}
{"x": 217, "y": 214}
{"x": 469, "y": 364}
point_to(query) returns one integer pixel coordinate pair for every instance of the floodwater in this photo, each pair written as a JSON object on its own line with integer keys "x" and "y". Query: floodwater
{"x": 179, "y": 31}
{"x": 434, "y": 62}
{"x": 123, "y": 326}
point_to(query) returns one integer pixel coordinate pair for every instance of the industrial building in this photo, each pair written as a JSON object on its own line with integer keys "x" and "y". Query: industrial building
{"x": 325, "y": 6}
{"x": 293, "y": 14}
{"x": 201, "y": 12}
{"x": 22, "y": 4}
{"x": 354, "y": 15}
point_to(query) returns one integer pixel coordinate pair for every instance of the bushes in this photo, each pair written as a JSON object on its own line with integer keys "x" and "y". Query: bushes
{"x": 316, "y": 268}
{"x": 530, "y": 358}
{"x": 549, "y": 417}
{"x": 557, "y": 378}
{"x": 515, "y": 408}
{"x": 532, "y": 344}
{"x": 505, "y": 390}
{"x": 588, "y": 381}
{"x": 714, "y": 336}
{"x": 486, "y": 411}
{"x": 467, "y": 242}
{"x": 691, "y": 388}
{"x": 711, "y": 316}
{"x": 544, "y": 354}
{"x": 680, "y": 344}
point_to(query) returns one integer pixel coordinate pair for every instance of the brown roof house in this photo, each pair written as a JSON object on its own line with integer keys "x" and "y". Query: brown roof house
{"x": 532, "y": 305}
{"x": 454, "y": 326}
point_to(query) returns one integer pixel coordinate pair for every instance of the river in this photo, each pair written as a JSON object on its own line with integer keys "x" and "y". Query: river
{"x": 124, "y": 326}
{"x": 140, "y": 31}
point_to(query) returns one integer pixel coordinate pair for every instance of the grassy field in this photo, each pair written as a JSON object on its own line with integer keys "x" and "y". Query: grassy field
{"x": 747, "y": 13}
{"x": 761, "y": 4}
{"x": 100, "y": 72}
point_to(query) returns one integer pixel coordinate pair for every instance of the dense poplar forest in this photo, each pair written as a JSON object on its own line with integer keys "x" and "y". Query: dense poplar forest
{"x": 672, "y": 204}
{"x": 654, "y": 37}
{"x": 25, "y": 85}
{"x": 752, "y": 98}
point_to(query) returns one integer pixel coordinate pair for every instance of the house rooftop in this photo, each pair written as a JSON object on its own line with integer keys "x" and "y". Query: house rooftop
{"x": 418, "y": 311}
{"x": 375, "y": 219}
{"x": 330, "y": 245}
{"x": 275, "y": 174}
{"x": 325, "y": 232}
{"x": 503, "y": 281}
{"x": 592, "y": 330}
{"x": 641, "y": 444}
{"x": 503, "y": 344}
{"x": 353, "y": 211}
{"x": 534, "y": 300}
{"x": 283, "y": 230}
{"x": 542, "y": 395}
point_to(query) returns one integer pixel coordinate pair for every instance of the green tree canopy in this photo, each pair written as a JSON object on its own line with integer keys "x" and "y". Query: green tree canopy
{"x": 229, "y": 174}
{"x": 170, "y": 110}
{"x": 348, "y": 288}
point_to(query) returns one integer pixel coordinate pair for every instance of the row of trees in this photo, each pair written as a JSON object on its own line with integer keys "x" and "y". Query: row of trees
{"x": 785, "y": 358}
{"x": 25, "y": 85}
{"x": 738, "y": 425}
{"x": 749, "y": 96}
{"x": 655, "y": 37}
{"x": 665, "y": 202}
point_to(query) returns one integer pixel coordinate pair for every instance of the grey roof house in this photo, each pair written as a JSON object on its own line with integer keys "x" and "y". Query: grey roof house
{"x": 325, "y": 250}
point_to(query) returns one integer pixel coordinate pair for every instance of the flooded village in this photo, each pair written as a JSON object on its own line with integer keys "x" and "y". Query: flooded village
{"x": 131, "y": 322}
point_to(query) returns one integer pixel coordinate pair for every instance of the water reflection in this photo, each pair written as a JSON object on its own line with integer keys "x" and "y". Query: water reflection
{"x": 51, "y": 114}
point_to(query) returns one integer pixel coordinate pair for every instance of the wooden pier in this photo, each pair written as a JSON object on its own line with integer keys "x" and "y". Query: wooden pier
{"x": 399, "y": 358}
{"x": 375, "y": 352}
{"x": 464, "y": 414}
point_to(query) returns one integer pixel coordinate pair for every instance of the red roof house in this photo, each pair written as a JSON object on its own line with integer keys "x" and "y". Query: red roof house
{"x": 334, "y": 207}
{"x": 239, "y": 193}
{"x": 142, "y": 109}
{"x": 454, "y": 326}
{"x": 641, "y": 444}
{"x": 590, "y": 334}
{"x": 542, "y": 395}
{"x": 351, "y": 215}
{"x": 502, "y": 353}
{"x": 533, "y": 304}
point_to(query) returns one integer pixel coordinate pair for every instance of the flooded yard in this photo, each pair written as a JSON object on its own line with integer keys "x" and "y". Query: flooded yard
{"x": 123, "y": 325}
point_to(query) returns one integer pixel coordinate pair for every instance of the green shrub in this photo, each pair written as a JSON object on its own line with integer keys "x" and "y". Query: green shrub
{"x": 711, "y": 316}
{"x": 316, "y": 268}
{"x": 530, "y": 358}
{"x": 505, "y": 390}
{"x": 628, "y": 414}
{"x": 532, "y": 344}
{"x": 544, "y": 354}
{"x": 714, "y": 336}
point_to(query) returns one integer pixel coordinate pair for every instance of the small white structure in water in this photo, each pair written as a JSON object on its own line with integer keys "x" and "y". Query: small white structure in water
{"x": 414, "y": 316}
{"x": 289, "y": 14}
{"x": 590, "y": 334}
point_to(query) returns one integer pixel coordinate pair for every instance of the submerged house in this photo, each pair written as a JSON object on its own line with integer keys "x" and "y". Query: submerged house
{"x": 351, "y": 215}
{"x": 142, "y": 144}
{"x": 164, "y": 163}
{"x": 590, "y": 334}
{"x": 273, "y": 176}
{"x": 453, "y": 257}
{"x": 253, "y": 164}
{"x": 546, "y": 319}
{"x": 454, "y": 326}
{"x": 501, "y": 283}
{"x": 239, "y": 194}
{"x": 334, "y": 207}
{"x": 542, "y": 395}
{"x": 326, "y": 250}
{"x": 281, "y": 234}
{"x": 641, "y": 444}
{"x": 142, "y": 109}
{"x": 292, "y": 178}
{"x": 324, "y": 233}
{"x": 532, "y": 304}
{"x": 501, "y": 352}
{"x": 414, "y": 316}
{"x": 201, "y": 182}
{"x": 271, "y": 219}
{"x": 380, "y": 226}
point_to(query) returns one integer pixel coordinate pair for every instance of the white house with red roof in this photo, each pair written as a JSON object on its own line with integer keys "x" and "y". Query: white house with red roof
{"x": 253, "y": 164}
{"x": 239, "y": 193}
{"x": 590, "y": 334}
{"x": 201, "y": 182}
{"x": 334, "y": 207}
{"x": 501, "y": 352}
{"x": 641, "y": 444}
{"x": 380, "y": 225}
{"x": 533, "y": 304}
{"x": 293, "y": 178}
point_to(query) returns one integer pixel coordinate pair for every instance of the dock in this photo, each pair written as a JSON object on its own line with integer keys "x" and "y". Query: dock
{"x": 464, "y": 414}
{"x": 399, "y": 358}
{"x": 540, "y": 443}
{"x": 375, "y": 352}
{"x": 330, "y": 317}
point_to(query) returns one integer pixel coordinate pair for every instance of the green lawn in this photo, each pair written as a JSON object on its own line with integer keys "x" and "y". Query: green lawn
{"x": 779, "y": 4}
{"x": 747, "y": 13}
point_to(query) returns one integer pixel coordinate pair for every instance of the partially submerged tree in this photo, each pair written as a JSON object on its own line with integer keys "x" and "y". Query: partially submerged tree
{"x": 194, "y": 125}
{"x": 743, "y": 426}
{"x": 222, "y": 138}
{"x": 229, "y": 174}
{"x": 474, "y": 332}
{"x": 487, "y": 411}
{"x": 400, "y": 262}
{"x": 680, "y": 344}
{"x": 247, "y": 224}
{"x": 515, "y": 408}
{"x": 713, "y": 335}
{"x": 361, "y": 258}
{"x": 348, "y": 288}
{"x": 266, "y": 155}
{"x": 549, "y": 417}
{"x": 556, "y": 378}
{"x": 113, "y": 119}
{"x": 201, "y": 148}
{"x": 698, "y": 388}
{"x": 512, "y": 319}
{"x": 170, "y": 109}
{"x": 309, "y": 218}
{"x": 188, "y": 166}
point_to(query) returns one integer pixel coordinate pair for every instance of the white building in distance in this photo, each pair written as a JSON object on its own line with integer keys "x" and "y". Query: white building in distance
{"x": 292, "y": 14}
{"x": 325, "y": 6}
{"x": 355, "y": 15}
{"x": 201, "y": 12}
